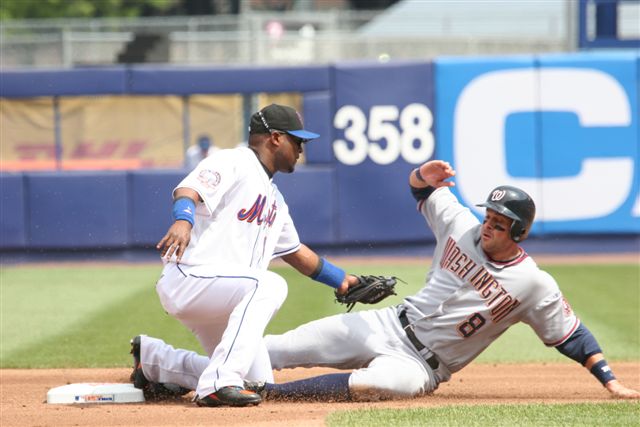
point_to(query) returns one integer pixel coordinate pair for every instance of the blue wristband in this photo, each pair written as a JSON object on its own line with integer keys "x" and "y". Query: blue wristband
{"x": 328, "y": 274}
{"x": 602, "y": 372}
{"x": 183, "y": 208}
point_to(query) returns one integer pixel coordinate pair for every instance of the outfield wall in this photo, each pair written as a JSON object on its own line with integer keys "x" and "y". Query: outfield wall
{"x": 563, "y": 127}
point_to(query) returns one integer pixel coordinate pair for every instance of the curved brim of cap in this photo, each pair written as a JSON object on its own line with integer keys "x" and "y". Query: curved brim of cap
{"x": 304, "y": 134}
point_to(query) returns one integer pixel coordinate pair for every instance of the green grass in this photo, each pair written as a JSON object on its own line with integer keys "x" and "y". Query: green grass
{"x": 579, "y": 415}
{"x": 84, "y": 315}
{"x": 77, "y": 316}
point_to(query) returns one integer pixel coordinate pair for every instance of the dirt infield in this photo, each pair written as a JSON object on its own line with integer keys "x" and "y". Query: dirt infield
{"x": 23, "y": 401}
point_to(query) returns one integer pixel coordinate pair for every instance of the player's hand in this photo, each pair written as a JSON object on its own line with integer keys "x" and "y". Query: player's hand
{"x": 619, "y": 391}
{"x": 433, "y": 173}
{"x": 349, "y": 280}
{"x": 176, "y": 240}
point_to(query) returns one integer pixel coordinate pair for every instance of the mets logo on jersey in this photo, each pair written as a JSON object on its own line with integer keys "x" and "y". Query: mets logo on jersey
{"x": 255, "y": 212}
{"x": 209, "y": 178}
{"x": 497, "y": 195}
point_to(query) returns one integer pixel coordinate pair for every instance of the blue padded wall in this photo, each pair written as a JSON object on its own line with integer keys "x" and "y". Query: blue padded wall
{"x": 310, "y": 197}
{"x": 557, "y": 124}
{"x": 81, "y": 82}
{"x": 318, "y": 113}
{"x": 12, "y": 211}
{"x": 328, "y": 195}
{"x": 151, "y": 204}
{"x": 77, "y": 210}
{"x": 184, "y": 81}
{"x": 367, "y": 185}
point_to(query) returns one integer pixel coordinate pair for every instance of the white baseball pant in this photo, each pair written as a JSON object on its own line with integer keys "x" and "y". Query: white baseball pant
{"x": 228, "y": 311}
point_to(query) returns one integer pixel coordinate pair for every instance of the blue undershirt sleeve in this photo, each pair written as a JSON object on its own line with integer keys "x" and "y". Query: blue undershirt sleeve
{"x": 421, "y": 193}
{"x": 580, "y": 346}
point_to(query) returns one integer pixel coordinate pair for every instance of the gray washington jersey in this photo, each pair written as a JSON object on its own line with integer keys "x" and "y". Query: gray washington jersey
{"x": 469, "y": 300}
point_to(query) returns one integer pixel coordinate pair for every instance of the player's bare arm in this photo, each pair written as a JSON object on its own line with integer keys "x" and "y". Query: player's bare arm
{"x": 179, "y": 234}
{"x": 615, "y": 387}
{"x": 582, "y": 347}
{"x": 310, "y": 264}
{"x": 432, "y": 174}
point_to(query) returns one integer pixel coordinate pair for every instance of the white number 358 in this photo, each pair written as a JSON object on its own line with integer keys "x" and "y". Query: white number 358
{"x": 410, "y": 138}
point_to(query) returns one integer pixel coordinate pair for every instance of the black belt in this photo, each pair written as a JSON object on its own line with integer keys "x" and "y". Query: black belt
{"x": 433, "y": 360}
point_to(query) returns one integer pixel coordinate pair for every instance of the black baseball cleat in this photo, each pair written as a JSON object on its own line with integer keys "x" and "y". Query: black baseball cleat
{"x": 150, "y": 390}
{"x": 137, "y": 376}
{"x": 230, "y": 396}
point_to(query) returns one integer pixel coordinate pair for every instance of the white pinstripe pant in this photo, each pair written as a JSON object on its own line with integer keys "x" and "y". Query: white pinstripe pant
{"x": 228, "y": 311}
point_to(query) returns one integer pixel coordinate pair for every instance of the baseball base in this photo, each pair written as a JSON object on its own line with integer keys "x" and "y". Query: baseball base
{"x": 95, "y": 393}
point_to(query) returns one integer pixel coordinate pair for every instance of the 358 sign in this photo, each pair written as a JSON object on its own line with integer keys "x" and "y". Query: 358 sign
{"x": 387, "y": 134}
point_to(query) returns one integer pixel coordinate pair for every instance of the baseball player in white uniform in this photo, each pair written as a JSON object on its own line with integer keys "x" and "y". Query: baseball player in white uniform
{"x": 230, "y": 222}
{"x": 481, "y": 282}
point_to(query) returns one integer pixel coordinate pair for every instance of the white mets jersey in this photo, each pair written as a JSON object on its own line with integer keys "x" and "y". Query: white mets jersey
{"x": 470, "y": 300}
{"x": 244, "y": 220}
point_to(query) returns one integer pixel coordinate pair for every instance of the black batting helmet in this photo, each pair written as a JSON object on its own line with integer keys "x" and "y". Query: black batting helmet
{"x": 515, "y": 204}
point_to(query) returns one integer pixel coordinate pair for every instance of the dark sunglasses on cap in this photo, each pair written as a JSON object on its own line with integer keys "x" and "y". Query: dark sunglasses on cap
{"x": 294, "y": 138}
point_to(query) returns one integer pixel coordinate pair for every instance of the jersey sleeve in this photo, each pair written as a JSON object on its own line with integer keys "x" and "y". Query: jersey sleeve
{"x": 289, "y": 241}
{"x": 211, "y": 179}
{"x": 442, "y": 209}
{"x": 551, "y": 318}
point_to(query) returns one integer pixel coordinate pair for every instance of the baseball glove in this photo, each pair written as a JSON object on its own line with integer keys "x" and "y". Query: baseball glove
{"x": 369, "y": 290}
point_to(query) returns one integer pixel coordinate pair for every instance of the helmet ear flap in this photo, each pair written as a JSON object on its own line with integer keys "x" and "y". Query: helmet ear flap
{"x": 517, "y": 231}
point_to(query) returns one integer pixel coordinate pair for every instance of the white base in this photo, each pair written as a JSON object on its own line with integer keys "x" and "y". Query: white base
{"x": 95, "y": 393}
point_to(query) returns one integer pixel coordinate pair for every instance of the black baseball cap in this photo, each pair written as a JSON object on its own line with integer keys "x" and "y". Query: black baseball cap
{"x": 281, "y": 118}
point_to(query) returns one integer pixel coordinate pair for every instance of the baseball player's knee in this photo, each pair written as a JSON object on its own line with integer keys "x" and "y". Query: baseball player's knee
{"x": 378, "y": 384}
{"x": 172, "y": 308}
{"x": 178, "y": 308}
{"x": 275, "y": 287}
{"x": 279, "y": 348}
